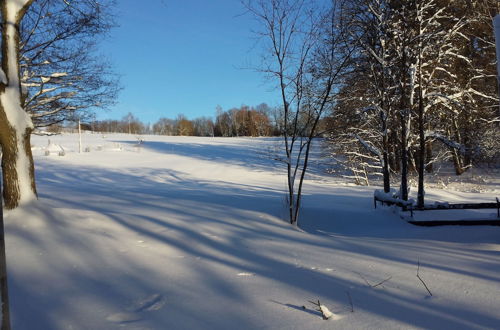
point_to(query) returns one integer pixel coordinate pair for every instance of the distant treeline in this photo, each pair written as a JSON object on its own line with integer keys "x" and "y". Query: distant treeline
{"x": 242, "y": 121}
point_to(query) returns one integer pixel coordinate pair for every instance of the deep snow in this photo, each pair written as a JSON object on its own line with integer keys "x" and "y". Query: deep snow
{"x": 188, "y": 233}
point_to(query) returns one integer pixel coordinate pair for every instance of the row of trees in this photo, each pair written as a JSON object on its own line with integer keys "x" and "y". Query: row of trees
{"x": 243, "y": 121}
{"x": 202, "y": 126}
{"x": 420, "y": 87}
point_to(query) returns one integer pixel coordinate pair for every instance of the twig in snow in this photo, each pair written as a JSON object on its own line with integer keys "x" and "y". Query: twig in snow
{"x": 421, "y": 280}
{"x": 382, "y": 282}
{"x": 364, "y": 279}
{"x": 373, "y": 285}
{"x": 350, "y": 301}
{"x": 325, "y": 312}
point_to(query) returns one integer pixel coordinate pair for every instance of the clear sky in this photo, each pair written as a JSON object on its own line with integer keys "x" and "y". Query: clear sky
{"x": 184, "y": 57}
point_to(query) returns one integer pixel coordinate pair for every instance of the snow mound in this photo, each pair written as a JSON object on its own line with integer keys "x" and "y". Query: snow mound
{"x": 110, "y": 147}
{"x": 327, "y": 314}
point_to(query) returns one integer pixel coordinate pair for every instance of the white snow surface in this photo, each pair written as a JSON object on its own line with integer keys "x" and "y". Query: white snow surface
{"x": 188, "y": 233}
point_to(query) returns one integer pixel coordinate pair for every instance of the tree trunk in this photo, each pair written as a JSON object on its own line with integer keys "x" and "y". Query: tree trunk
{"x": 457, "y": 157}
{"x": 421, "y": 128}
{"x": 404, "y": 155}
{"x": 403, "y": 116}
{"x": 421, "y": 154}
{"x": 385, "y": 156}
{"x": 15, "y": 124}
{"x": 457, "y": 163}
{"x": 386, "y": 173}
{"x": 466, "y": 140}
{"x": 17, "y": 168}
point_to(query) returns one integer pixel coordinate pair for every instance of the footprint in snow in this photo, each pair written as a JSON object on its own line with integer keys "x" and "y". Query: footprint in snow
{"x": 123, "y": 317}
{"x": 153, "y": 302}
{"x": 150, "y": 303}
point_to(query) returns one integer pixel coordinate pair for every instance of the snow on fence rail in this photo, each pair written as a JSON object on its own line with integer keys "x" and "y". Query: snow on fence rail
{"x": 390, "y": 199}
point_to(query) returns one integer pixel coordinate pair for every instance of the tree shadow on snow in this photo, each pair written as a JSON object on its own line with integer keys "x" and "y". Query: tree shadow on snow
{"x": 253, "y": 153}
{"x": 212, "y": 232}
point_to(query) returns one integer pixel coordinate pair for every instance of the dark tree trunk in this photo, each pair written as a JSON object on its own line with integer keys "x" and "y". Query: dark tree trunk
{"x": 386, "y": 173}
{"x": 385, "y": 156}
{"x": 421, "y": 135}
{"x": 457, "y": 162}
{"x": 421, "y": 155}
{"x": 404, "y": 112}
{"x": 11, "y": 171}
{"x": 404, "y": 155}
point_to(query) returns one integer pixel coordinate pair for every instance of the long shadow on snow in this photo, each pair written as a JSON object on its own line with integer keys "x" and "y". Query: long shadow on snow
{"x": 386, "y": 232}
{"x": 190, "y": 209}
{"x": 255, "y": 153}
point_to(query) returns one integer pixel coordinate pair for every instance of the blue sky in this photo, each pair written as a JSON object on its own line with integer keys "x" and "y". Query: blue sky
{"x": 184, "y": 57}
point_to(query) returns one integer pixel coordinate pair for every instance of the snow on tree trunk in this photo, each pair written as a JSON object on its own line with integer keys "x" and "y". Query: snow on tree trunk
{"x": 15, "y": 124}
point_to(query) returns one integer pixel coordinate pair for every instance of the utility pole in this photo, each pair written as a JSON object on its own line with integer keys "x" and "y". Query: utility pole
{"x": 79, "y": 136}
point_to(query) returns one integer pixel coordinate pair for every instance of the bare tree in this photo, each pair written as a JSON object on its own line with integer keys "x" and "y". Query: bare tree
{"x": 132, "y": 125}
{"x": 60, "y": 70}
{"x": 48, "y": 74}
{"x": 203, "y": 126}
{"x": 304, "y": 57}
{"x": 164, "y": 126}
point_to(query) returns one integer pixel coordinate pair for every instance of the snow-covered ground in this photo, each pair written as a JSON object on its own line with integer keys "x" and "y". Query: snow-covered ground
{"x": 188, "y": 233}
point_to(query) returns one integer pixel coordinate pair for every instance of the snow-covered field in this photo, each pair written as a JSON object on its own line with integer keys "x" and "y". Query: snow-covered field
{"x": 188, "y": 233}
